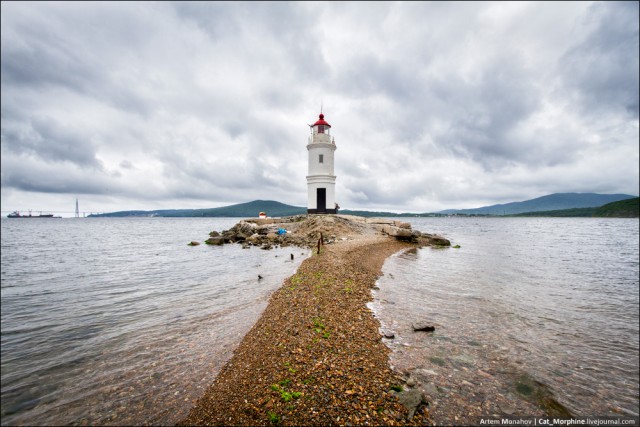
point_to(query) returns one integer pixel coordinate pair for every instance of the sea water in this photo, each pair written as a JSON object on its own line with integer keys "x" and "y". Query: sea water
{"x": 118, "y": 321}
{"x": 526, "y": 309}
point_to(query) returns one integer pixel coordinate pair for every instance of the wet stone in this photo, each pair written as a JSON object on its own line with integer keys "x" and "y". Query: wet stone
{"x": 423, "y": 326}
{"x": 506, "y": 408}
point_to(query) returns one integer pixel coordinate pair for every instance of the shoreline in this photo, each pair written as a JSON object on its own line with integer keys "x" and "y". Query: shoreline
{"x": 316, "y": 355}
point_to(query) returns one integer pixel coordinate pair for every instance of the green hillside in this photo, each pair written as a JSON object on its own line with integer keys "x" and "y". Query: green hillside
{"x": 242, "y": 210}
{"x": 575, "y": 212}
{"x": 627, "y": 208}
{"x": 550, "y": 202}
{"x": 249, "y": 209}
{"x": 623, "y": 209}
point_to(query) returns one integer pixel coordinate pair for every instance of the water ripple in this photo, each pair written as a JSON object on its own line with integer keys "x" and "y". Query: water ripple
{"x": 557, "y": 298}
{"x": 118, "y": 321}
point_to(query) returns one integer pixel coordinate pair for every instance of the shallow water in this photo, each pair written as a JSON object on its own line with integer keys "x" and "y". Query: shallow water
{"x": 531, "y": 316}
{"x": 118, "y": 321}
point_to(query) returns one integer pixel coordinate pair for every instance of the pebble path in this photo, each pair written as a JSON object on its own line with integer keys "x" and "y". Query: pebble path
{"x": 316, "y": 356}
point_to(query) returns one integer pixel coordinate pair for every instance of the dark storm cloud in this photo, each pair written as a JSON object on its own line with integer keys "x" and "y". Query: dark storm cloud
{"x": 51, "y": 141}
{"x": 486, "y": 113}
{"x": 603, "y": 69}
{"x": 59, "y": 45}
{"x": 35, "y": 61}
{"x": 32, "y": 175}
{"x": 206, "y": 103}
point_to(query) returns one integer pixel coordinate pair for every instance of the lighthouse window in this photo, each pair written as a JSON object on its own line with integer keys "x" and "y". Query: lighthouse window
{"x": 321, "y": 158}
{"x": 320, "y": 128}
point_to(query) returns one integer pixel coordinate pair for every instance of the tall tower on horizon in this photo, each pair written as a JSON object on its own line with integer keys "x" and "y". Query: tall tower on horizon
{"x": 321, "y": 181}
{"x": 77, "y": 210}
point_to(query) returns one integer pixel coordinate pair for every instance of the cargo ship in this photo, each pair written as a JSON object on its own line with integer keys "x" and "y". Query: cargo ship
{"x": 16, "y": 214}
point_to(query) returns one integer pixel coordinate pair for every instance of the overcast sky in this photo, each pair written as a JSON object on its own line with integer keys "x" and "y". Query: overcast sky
{"x": 433, "y": 105}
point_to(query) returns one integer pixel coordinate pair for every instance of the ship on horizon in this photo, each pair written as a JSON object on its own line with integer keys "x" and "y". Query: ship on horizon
{"x": 17, "y": 214}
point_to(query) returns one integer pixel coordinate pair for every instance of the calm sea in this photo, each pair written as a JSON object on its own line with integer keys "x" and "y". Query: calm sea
{"x": 538, "y": 310}
{"x": 119, "y": 321}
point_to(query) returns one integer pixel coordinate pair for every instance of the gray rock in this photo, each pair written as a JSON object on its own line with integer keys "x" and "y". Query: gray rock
{"x": 411, "y": 399}
{"x": 404, "y": 234}
{"x": 255, "y": 237}
{"x": 506, "y": 408}
{"x": 215, "y": 240}
{"x": 244, "y": 228}
{"x": 389, "y": 334}
{"x": 423, "y": 326}
{"x": 439, "y": 241}
{"x": 228, "y": 236}
{"x": 433, "y": 240}
{"x": 263, "y": 230}
{"x": 431, "y": 390}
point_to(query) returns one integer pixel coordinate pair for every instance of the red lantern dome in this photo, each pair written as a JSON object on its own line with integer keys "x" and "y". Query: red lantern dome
{"x": 321, "y": 121}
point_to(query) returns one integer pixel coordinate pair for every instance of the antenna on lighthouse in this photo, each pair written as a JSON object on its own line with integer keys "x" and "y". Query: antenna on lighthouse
{"x": 77, "y": 210}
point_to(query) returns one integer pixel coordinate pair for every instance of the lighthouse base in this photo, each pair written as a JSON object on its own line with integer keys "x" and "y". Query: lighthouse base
{"x": 326, "y": 211}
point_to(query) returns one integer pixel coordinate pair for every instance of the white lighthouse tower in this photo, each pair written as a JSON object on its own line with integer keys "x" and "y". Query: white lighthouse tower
{"x": 321, "y": 182}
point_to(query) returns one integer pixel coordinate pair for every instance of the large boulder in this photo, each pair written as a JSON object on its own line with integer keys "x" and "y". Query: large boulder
{"x": 399, "y": 233}
{"x": 228, "y": 236}
{"x": 438, "y": 241}
{"x": 215, "y": 241}
{"x": 404, "y": 234}
{"x": 244, "y": 228}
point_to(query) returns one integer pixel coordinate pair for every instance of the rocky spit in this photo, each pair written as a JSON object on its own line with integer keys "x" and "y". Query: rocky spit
{"x": 305, "y": 231}
{"x": 316, "y": 355}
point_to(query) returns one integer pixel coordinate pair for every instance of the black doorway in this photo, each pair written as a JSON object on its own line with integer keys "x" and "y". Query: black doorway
{"x": 321, "y": 197}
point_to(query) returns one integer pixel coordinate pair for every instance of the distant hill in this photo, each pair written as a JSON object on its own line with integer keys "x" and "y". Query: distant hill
{"x": 628, "y": 208}
{"x": 242, "y": 210}
{"x": 561, "y": 213}
{"x": 574, "y": 202}
{"x": 374, "y": 214}
{"x": 551, "y": 202}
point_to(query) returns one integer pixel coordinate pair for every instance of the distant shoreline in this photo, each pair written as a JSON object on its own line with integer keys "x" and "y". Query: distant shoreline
{"x": 549, "y": 203}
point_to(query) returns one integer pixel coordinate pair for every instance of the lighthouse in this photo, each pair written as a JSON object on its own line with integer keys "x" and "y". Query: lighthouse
{"x": 321, "y": 181}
